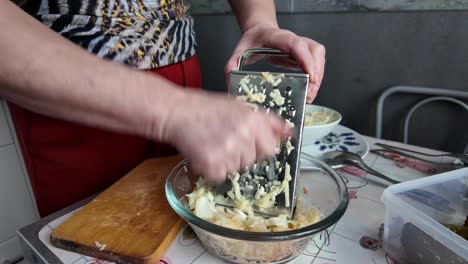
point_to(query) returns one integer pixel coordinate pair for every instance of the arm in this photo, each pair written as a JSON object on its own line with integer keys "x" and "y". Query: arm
{"x": 47, "y": 74}
{"x": 251, "y": 13}
{"x": 257, "y": 20}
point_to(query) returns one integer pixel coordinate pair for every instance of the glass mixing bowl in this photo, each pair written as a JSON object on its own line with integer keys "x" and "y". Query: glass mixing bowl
{"x": 323, "y": 189}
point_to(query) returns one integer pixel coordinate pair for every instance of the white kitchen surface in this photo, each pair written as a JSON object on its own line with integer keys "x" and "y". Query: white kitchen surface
{"x": 361, "y": 223}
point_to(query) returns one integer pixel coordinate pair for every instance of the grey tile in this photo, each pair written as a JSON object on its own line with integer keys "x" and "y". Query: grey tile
{"x": 10, "y": 250}
{"x": 23, "y": 261}
{"x": 301, "y": 6}
{"x": 283, "y": 6}
{"x": 16, "y": 204}
{"x": 5, "y": 135}
{"x": 305, "y": 6}
{"x": 203, "y": 7}
{"x": 413, "y": 5}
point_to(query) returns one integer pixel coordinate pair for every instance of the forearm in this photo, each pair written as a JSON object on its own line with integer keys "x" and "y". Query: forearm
{"x": 254, "y": 12}
{"x": 46, "y": 73}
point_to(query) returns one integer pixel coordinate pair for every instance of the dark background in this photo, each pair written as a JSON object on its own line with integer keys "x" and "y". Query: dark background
{"x": 366, "y": 54}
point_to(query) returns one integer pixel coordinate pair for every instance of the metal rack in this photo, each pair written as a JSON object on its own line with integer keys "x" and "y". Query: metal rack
{"x": 436, "y": 94}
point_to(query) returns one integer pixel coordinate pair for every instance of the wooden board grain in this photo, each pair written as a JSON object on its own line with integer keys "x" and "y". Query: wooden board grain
{"x": 132, "y": 218}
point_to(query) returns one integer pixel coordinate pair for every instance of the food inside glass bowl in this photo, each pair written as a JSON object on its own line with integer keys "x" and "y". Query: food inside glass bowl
{"x": 201, "y": 202}
{"x": 320, "y": 117}
{"x": 324, "y": 190}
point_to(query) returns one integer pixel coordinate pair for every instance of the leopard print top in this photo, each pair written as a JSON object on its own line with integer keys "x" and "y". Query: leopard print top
{"x": 142, "y": 33}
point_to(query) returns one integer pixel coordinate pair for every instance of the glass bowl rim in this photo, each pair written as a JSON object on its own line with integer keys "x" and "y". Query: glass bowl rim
{"x": 309, "y": 230}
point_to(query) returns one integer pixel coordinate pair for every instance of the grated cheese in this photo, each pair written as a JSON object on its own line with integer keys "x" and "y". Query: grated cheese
{"x": 319, "y": 118}
{"x": 241, "y": 217}
{"x": 277, "y": 98}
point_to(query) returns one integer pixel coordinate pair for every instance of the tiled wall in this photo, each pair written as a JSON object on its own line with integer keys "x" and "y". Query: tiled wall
{"x": 305, "y": 6}
{"x": 17, "y": 207}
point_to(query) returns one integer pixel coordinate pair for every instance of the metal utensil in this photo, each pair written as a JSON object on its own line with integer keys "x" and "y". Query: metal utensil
{"x": 440, "y": 165}
{"x": 284, "y": 94}
{"x": 462, "y": 157}
{"x": 352, "y": 159}
{"x": 338, "y": 159}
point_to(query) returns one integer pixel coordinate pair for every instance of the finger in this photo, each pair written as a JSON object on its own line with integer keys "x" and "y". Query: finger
{"x": 235, "y": 161}
{"x": 297, "y": 47}
{"x": 232, "y": 62}
{"x": 194, "y": 175}
{"x": 246, "y": 141}
{"x": 216, "y": 174}
{"x": 269, "y": 134}
{"x": 265, "y": 143}
{"x": 208, "y": 166}
{"x": 279, "y": 127}
{"x": 318, "y": 51}
{"x": 249, "y": 156}
{"x": 231, "y": 153}
{"x": 312, "y": 92}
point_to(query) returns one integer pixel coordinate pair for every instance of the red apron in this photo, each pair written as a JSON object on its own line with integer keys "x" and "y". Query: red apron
{"x": 68, "y": 162}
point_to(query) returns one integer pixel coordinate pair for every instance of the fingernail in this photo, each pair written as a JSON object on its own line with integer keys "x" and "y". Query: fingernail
{"x": 312, "y": 77}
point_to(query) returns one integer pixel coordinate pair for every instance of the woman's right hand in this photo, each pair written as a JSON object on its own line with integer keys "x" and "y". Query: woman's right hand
{"x": 218, "y": 134}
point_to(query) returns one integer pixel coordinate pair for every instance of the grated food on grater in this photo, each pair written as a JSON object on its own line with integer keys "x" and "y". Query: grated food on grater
{"x": 263, "y": 192}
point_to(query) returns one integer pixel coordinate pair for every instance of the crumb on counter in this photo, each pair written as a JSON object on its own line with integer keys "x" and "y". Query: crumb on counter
{"x": 100, "y": 246}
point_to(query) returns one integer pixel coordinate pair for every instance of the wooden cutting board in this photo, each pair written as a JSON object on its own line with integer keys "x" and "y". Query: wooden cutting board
{"x": 132, "y": 218}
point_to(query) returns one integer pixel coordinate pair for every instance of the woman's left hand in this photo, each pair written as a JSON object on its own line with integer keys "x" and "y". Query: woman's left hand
{"x": 309, "y": 54}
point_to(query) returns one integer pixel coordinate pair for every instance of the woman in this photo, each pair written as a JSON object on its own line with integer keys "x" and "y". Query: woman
{"x": 83, "y": 120}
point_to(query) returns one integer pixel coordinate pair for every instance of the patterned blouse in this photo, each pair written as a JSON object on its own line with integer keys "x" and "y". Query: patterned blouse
{"x": 142, "y": 33}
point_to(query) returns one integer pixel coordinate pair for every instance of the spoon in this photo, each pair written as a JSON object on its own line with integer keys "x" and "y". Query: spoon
{"x": 338, "y": 159}
{"x": 354, "y": 160}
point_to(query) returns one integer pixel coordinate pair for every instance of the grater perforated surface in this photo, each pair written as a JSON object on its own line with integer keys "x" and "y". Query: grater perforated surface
{"x": 270, "y": 173}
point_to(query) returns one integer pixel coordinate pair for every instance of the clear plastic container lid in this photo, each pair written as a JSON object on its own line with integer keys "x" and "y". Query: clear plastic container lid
{"x": 426, "y": 204}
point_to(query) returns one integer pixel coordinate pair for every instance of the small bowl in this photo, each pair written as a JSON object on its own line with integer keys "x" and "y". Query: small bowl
{"x": 312, "y": 133}
{"x": 326, "y": 191}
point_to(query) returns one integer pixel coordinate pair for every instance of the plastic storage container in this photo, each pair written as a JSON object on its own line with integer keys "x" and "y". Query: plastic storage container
{"x": 415, "y": 212}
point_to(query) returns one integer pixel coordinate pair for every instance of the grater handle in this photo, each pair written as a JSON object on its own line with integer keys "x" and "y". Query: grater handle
{"x": 259, "y": 51}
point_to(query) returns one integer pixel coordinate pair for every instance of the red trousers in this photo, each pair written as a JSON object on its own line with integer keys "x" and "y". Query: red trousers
{"x": 68, "y": 162}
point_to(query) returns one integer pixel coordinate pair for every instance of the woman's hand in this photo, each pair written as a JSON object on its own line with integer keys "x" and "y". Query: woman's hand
{"x": 309, "y": 54}
{"x": 218, "y": 134}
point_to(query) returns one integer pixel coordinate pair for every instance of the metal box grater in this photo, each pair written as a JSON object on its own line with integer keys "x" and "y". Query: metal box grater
{"x": 293, "y": 88}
